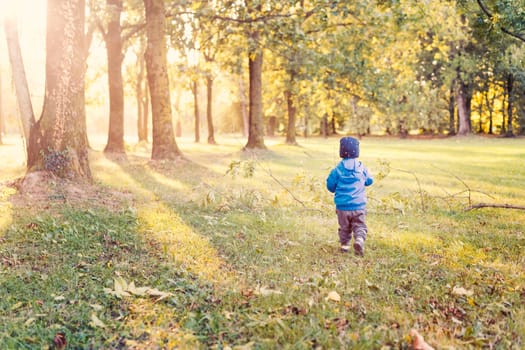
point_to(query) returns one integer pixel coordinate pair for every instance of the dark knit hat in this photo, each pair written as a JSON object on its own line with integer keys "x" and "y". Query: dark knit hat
{"x": 349, "y": 147}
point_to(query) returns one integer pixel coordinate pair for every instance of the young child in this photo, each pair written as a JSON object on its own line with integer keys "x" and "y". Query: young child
{"x": 348, "y": 181}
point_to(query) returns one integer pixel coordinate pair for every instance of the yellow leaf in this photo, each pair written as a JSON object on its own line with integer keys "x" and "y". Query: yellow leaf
{"x": 247, "y": 346}
{"x": 267, "y": 291}
{"x": 96, "y": 307}
{"x": 354, "y": 336}
{"x": 161, "y": 295}
{"x": 334, "y": 296}
{"x": 17, "y": 306}
{"x": 140, "y": 291}
{"x": 462, "y": 291}
{"x": 120, "y": 287}
{"x": 120, "y": 284}
{"x": 96, "y": 322}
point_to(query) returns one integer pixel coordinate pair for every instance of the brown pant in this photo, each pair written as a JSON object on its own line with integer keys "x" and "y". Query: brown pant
{"x": 351, "y": 221}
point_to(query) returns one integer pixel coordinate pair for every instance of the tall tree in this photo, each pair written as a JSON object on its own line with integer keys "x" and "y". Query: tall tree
{"x": 196, "y": 112}
{"x": 142, "y": 95}
{"x": 209, "y": 52}
{"x": 58, "y": 141}
{"x": 164, "y": 144}
{"x": 255, "y": 113}
{"x": 463, "y": 100}
{"x": 209, "y": 109}
{"x": 19, "y": 75}
{"x": 113, "y": 39}
{"x": 1, "y": 113}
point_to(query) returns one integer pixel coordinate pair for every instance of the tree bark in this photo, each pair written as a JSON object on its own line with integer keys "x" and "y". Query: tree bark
{"x": 255, "y": 115}
{"x": 451, "y": 113}
{"x": 19, "y": 77}
{"x": 292, "y": 117}
{"x": 58, "y": 141}
{"x": 489, "y": 103}
{"x": 244, "y": 108}
{"x": 510, "y": 88}
{"x": 195, "y": 90}
{"x": 209, "y": 110}
{"x": 1, "y": 113}
{"x": 164, "y": 145}
{"x": 463, "y": 109}
{"x": 324, "y": 126}
{"x": 115, "y": 56}
{"x": 141, "y": 92}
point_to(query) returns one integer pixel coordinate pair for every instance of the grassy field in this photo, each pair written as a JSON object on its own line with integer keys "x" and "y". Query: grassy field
{"x": 238, "y": 250}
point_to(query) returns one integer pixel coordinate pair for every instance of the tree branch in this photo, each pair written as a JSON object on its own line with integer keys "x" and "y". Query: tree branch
{"x": 495, "y": 205}
{"x": 491, "y": 17}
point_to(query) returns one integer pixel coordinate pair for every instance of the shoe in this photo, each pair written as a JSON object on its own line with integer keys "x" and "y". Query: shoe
{"x": 359, "y": 246}
{"x": 345, "y": 248}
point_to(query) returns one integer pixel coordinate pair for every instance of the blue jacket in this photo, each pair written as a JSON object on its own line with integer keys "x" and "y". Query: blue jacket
{"x": 348, "y": 181}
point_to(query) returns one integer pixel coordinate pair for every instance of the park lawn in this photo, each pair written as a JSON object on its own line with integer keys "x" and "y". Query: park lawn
{"x": 236, "y": 249}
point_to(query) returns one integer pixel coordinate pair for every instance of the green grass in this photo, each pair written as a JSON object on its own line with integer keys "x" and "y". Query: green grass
{"x": 242, "y": 249}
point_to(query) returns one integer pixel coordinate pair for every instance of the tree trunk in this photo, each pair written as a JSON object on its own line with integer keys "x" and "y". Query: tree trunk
{"x": 116, "y": 88}
{"x": 164, "y": 145}
{"x": 1, "y": 113}
{"x": 195, "y": 90}
{"x": 141, "y": 92}
{"x": 244, "y": 108}
{"x": 146, "y": 104}
{"x": 503, "y": 130}
{"x": 178, "y": 124}
{"x": 58, "y": 141}
{"x": 19, "y": 77}
{"x": 256, "y": 129}
{"x": 292, "y": 117}
{"x": 209, "y": 110}
{"x": 469, "y": 106}
{"x": 490, "y": 108}
{"x": 324, "y": 126}
{"x": 480, "y": 123}
{"x": 463, "y": 109}
{"x": 451, "y": 113}
{"x": 271, "y": 126}
{"x": 510, "y": 87}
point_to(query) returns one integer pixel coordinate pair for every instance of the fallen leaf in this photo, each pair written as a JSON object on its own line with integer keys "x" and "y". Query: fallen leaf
{"x": 59, "y": 341}
{"x": 267, "y": 291}
{"x": 120, "y": 286}
{"x": 157, "y": 293}
{"x": 247, "y": 346}
{"x": 462, "y": 291}
{"x": 334, "y": 296}
{"x": 418, "y": 342}
{"x": 139, "y": 291}
{"x": 96, "y": 307}
{"x": 96, "y": 322}
{"x": 17, "y": 306}
{"x": 372, "y": 286}
{"x": 247, "y": 293}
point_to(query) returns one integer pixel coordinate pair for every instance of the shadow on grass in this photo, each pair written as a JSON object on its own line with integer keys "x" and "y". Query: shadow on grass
{"x": 406, "y": 278}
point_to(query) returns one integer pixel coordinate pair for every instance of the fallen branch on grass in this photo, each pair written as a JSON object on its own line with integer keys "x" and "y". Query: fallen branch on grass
{"x": 495, "y": 205}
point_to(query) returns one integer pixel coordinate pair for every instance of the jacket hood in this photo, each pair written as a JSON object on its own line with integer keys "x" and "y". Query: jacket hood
{"x": 351, "y": 164}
